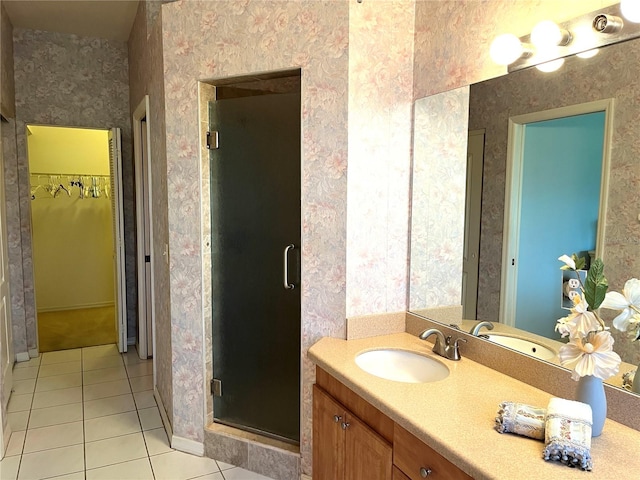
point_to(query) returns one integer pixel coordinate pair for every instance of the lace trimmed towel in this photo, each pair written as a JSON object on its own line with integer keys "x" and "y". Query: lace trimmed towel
{"x": 522, "y": 419}
{"x": 568, "y": 433}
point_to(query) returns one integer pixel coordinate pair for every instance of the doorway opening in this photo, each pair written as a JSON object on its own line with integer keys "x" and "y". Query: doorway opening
{"x": 76, "y": 228}
{"x": 555, "y": 204}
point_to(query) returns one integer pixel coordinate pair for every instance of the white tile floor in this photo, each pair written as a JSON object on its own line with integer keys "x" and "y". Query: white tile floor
{"x": 89, "y": 414}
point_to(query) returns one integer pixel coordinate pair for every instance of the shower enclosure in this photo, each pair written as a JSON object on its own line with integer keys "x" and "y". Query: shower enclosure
{"x": 255, "y": 223}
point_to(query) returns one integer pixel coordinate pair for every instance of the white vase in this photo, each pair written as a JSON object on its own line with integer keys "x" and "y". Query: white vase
{"x": 591, "y": 391}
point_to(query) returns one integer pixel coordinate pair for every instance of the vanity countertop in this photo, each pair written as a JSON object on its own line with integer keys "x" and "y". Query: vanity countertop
{"x": 455, "y": 416}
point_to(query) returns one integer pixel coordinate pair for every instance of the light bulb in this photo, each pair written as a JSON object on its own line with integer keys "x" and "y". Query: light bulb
{"x": 551, "y": 66}
{"x": 588, "y": 54}
{"x": 631, "y": 10}
{"x": 506, "y": 49}
{"x": 548, "y": 34}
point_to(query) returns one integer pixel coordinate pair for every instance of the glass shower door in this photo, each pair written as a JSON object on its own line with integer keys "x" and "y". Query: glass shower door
{"x": 255, "y": 217}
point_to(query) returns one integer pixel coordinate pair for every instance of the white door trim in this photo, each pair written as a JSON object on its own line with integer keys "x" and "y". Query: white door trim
{"x": 473, "y": 218}
{"x": 115, "y": 155}
{"x": 144, "y": 222}
{"x": 513, "y": 187}
{"x": 6, "y": 340}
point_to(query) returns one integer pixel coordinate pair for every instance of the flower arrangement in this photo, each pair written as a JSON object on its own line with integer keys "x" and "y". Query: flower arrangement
{"x": 590, "y": 347}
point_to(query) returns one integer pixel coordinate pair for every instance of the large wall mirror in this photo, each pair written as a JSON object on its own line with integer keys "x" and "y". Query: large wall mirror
{"x": 584, "y": 200}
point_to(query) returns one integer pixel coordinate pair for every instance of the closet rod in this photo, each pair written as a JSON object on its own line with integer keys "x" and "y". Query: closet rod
{"x": 69, "y": 174}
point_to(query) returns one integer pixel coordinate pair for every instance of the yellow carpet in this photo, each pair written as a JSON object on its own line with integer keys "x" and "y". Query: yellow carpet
{"x": 84, "y": 327}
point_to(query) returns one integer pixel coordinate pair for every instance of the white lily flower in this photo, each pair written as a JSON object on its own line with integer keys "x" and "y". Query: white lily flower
{"x": 628, "y": 302}
{"x": 568, "y": 261}
{"x": 591, "y": 355}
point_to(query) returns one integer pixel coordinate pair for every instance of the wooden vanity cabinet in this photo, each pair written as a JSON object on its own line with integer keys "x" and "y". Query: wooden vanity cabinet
{"x": 353, "y": 440}
{"x": 344, "y": 447}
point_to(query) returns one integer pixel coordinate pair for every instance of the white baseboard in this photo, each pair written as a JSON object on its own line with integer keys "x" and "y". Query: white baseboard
{"x": 62, "y": 308}
{"x": 179, "y": 443}
{"x": 22, "y": 357}
{"x": 34, "y": 353}
{"x": 187, "y": 446}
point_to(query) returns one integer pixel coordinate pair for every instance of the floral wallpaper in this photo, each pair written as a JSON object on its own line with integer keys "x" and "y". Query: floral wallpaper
{"x": 380, "y": 103}
{"x": 252, "y": 37}
{"x": 607, "y": 75}
{"x": 146, "y": 77}
{"x": 437, "y": 214}
{"x": 16, "y": 268}
{"x": 7, "y": 87}
{"x": 68, "y": 80}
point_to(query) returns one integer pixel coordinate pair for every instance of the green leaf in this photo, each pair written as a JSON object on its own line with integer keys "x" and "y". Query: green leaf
{"x": 595, "y": 286}
{"x": 580, "y": 261}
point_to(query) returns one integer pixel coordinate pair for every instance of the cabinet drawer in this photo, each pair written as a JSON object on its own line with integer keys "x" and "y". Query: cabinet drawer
{"x": 411, "y": 456}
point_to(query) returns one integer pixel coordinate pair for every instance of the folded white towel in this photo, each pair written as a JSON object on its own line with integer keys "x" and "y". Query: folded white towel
{"x": 568, "y": 433}
{"x": 522, "y": 419}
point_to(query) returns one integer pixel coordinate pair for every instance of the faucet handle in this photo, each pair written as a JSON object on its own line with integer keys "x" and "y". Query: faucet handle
{"x": 455, "y": 348}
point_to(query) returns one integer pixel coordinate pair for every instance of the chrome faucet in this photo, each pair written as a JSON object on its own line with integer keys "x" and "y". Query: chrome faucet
{"x": 443, "y": 346}
{"x": 475, "y": 331}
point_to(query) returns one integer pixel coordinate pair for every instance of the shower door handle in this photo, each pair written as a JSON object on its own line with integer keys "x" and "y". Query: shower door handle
{"x": 287, "y": 285}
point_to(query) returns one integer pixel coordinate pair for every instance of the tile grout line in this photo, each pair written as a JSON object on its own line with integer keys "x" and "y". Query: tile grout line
{"x": 26, "y": 427}
{"x": 144, "y": 439}
{"x": 84, "y": 428}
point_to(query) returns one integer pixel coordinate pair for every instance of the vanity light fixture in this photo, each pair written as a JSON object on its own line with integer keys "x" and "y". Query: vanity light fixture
{"x": 548, "y": 34}
{"x": 507, "y": 48}
{"x": 583, "y": 35}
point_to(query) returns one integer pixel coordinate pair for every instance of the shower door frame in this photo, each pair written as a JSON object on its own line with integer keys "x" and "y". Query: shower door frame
{"x": 207, "y": 93}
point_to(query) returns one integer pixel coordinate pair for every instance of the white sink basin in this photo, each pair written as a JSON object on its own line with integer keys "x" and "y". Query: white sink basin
{"x": 524, "y": 346}
{"x": 402, "y": 366}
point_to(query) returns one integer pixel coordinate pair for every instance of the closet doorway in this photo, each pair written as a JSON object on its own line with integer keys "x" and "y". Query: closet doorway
{"x": 78, "y": 256}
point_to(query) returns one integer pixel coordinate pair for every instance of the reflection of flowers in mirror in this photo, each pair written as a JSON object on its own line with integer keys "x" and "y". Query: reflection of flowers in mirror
{"x": 628, "y": 303}
{"x": 590, "y": 347}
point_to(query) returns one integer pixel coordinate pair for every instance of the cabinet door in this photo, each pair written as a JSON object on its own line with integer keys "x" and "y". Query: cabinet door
{"x": 328, "y": 437}
{"x": 368, "y": 455}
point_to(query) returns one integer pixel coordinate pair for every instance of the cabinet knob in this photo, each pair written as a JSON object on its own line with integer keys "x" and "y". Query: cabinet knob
{"x": 345, "y": 425}
{"x": 337, "y": 418}
{"x": 425, "y": 472}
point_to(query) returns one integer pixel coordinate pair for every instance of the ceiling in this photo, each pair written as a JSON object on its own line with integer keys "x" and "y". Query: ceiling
{"x": 111, "y": 19}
